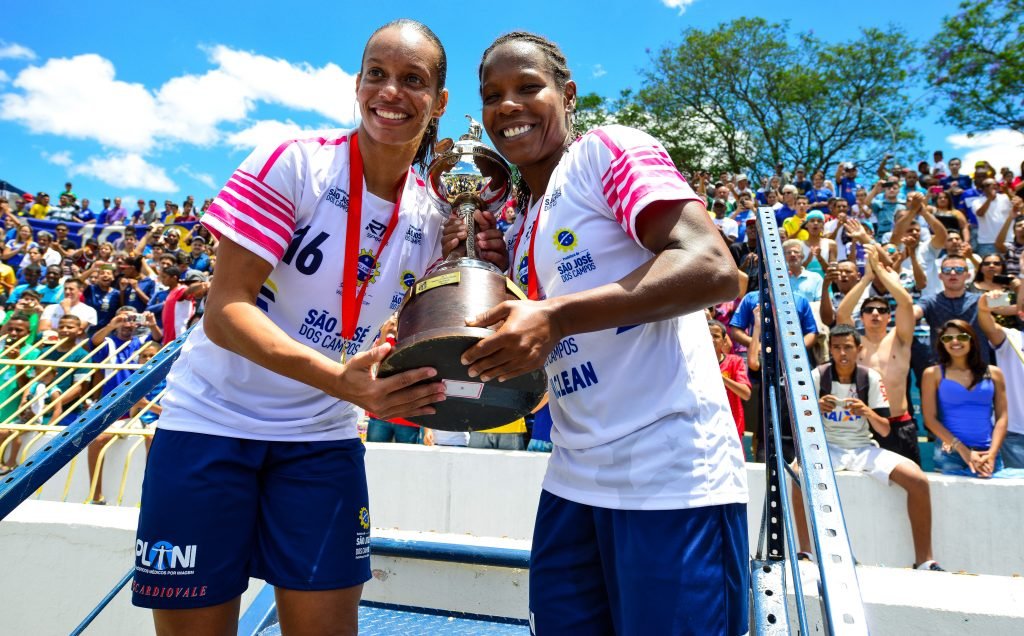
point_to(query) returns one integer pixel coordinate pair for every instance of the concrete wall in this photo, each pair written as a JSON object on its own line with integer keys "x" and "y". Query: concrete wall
{"x": 74, "y": 553}
{"x": 977, "y": 524}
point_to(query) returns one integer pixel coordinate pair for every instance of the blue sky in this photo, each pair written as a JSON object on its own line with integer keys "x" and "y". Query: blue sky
{"x": 161, "y": 100}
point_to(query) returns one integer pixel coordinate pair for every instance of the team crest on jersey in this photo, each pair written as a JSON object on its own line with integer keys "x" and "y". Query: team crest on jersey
{"x": 407, "y": 280}
{"x": 338, "y": 197}
{"x": 577, "y": 261}
{"x": 375, "y": 230}
{"x": 414, "y": 235}
{"x": 523, "y": 271}
{"x": 367, "y": 267}
{"x": 565, "y": 240}
{"x": 549, "y": 202}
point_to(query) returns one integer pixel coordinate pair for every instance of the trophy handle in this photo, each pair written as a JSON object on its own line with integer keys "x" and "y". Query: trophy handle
{"x": 466, "y": 210}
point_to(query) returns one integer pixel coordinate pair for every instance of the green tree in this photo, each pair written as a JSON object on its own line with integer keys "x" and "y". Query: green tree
{"x": 747, "y": 95}
{"x": 978, "y": 65}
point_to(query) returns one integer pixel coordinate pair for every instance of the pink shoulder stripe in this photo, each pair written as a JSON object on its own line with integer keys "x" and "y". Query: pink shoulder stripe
{"x": 323, "y": 141}
{"x": 268, "y": 192}
{"x": 265, "y": 224}
{"x": 246, "y": 231}
{"x": 288, "y": 218}
{"x": 607, "y": 141}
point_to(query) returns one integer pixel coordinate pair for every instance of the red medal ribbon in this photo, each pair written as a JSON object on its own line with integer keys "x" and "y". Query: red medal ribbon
{"x": 351, "y": 298}
{"x": 532, "y": 290}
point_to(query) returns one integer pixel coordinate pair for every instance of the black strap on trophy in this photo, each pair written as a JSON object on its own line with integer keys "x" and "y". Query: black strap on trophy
{"x": 464, "y": 176}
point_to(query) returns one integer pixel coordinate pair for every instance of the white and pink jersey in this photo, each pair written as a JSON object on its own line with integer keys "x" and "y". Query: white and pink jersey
{"x": 288, "y": 204}
{"x": 641, "y": 418}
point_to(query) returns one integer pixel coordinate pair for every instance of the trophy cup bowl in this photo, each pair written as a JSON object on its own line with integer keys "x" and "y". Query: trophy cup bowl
{"x": 432, "y": 329}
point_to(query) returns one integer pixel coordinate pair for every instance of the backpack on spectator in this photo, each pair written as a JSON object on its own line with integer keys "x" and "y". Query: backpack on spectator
{"x": 826, "y": 372}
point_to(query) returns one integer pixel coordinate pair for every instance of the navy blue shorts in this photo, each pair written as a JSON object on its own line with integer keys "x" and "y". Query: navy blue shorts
{"x": 217, "y": 510}
{"x": 632, "y": 572}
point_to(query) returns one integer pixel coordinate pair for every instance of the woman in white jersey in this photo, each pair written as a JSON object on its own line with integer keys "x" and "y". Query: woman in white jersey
{"x": 641, "y": 527}
{"x": 256, "y": 468}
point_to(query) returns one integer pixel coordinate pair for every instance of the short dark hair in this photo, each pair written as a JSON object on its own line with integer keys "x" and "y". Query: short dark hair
{"x": 70, "y": 317}
{"x": 171, "y": 270}
{"x": 878, "y": 300}
{"x": 845, "y": 330}
{"x": 718, "y": 323}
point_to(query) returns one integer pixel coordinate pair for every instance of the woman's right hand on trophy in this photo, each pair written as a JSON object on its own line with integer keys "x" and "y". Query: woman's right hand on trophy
{"x": 490, "y": 242}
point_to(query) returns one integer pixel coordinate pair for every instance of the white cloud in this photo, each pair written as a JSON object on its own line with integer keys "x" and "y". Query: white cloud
{"x": 15, "y": 52}
{"x": 62, "y": 158}
{"x": 998, "y": 147}
{"x": 599, "y": 71}
{"x": 266, "y": 131}
{"x": 80, "y": 97}
{"x": 4, "y": 77}
{"x": 126, "y": 171}
{"x": 678, "y": 4}
{"x": 201, "y": 177}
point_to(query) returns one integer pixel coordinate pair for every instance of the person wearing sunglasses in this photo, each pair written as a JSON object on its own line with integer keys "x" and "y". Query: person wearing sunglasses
{"x": 954, "y": 302}
{"x": 992, "y": 276}
{"x": 885, "y": 350}
{"x": 964, "y": 403}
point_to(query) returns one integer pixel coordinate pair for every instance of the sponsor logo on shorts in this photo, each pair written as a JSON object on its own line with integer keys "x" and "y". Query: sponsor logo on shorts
{"x": 163, "y": 557}
{"x": 168, "y": 591}
{"x": 363, "y": 536}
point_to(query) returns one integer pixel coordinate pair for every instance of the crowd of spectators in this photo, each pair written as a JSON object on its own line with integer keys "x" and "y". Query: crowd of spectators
{"x": 71, "y": 300}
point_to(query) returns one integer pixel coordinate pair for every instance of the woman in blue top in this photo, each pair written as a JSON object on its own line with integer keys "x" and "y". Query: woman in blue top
{"x": 964, "y": 404}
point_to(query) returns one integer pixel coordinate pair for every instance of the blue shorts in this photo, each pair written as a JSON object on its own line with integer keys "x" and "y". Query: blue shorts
{"x": 217, "y": 510}
{"x": 632, "y": 572}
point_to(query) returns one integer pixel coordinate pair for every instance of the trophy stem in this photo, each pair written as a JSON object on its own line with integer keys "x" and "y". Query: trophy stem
{"x": 466, "y": 211}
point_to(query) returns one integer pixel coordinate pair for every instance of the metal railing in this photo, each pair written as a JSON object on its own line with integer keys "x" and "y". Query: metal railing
{"x": 786, "y": 380}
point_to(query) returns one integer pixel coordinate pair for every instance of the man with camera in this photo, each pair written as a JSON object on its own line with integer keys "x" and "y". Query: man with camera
{"x": 118, "y": 343}
{"x": 853, "y": 403}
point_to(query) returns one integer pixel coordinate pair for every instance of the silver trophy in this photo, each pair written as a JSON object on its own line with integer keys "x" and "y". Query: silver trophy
{"x": 464, "y": 176}
{"x": 468, "y": 175}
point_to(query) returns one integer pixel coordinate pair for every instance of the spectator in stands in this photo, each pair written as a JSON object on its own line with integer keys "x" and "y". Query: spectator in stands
{"x": 793, "y": 226}
{"x": 741, "y": 329}
{"x": 887, "y": 351}
{"x": 62, "y": 241}
{"x": 101, "y": 217}
{"x": 136, "y": 289}
{"x": 853, "y": 403}
{"x": 64, "y": 211}
{"x": 70, "y": 305}
{"x": 41, "y": 208}
{"x": 993, "y": 276}
{"x": 51, "y": 256}
{"x": 148, "y": 408}
{"x": 70, "y": 347}
{"x": 101, "y": 295}
{"x": 511, "y": 436}
{"x": 168, "y": 279}
{"x": 16, "y": 249}
{"x": 964, "y": 403}
{"x": 1015, "y": 248}
{"x": 117, "y": 214}
{"x": 847, "y": 182}
{"x": 992, "y": 209}
{"x": 788, "y": 207}
{"x": 818, "y": 196}
{"x": 117, "y": 344}
{"x": 85, "y": 213}
{"x": 31, "y": 275}
{"x": 8, "y": 281}
{"x": 136, "y": 216}
{"x": 182, "y": 304}
{"x": 953, "y": 302}
{"x": 51, "y": 291}
{"x": 1008, "y": 345}
{"x": 23, "y": 205}
{"x": 840, "y": 279}
{"x": 199, "y": 260}
{"x": 18, "y": 345}
{"x": 727, "y": 227}
{"x": 803, "y": 185}
{"x": 820, "y": 250}
{"x": 41, "y": 400}
{"x": 805, "y": 283}
{"x": 734, "y": 373}
{"x": 885, "y": 207}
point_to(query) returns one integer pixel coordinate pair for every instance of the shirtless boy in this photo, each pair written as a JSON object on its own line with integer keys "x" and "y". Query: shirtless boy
{"x": 885, "y": 351}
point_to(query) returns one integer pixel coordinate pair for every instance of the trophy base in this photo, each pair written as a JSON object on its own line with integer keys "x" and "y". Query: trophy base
{"x": 470, "y": 405}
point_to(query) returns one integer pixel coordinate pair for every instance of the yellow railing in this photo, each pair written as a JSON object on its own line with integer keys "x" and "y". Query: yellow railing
{"x": 36, "y": 415}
